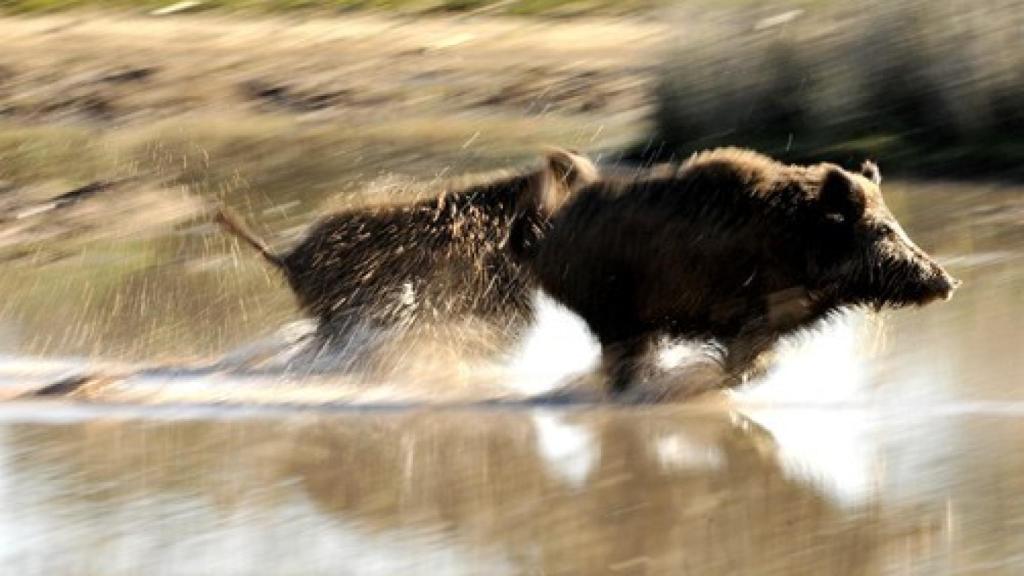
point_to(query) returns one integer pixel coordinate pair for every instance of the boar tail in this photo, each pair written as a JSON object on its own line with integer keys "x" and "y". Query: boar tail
{"x": 234, "y": 225}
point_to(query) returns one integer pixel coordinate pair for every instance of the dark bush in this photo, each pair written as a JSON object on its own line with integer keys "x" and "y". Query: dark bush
{"x": 910, "y": 82}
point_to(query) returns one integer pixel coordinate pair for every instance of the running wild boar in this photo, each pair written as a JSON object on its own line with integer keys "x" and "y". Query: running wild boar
{"x": 442, "y": 260}
{"x": 732, "y": 247}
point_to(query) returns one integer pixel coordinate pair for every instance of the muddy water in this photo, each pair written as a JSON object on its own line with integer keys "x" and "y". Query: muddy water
{"x": 879, "y": 445}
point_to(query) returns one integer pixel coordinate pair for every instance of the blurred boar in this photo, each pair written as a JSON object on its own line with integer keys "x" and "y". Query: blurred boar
{"x": 454, "y": 257}
{"x": 735, "y": 247}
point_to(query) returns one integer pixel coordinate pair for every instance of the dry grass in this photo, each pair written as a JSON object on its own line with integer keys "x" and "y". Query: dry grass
{"x": 517, "y": 7}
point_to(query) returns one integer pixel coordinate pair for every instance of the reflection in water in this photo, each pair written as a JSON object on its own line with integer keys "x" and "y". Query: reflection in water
{"x": 653, "y": 491}
{"x": 60, "y": 527}
{"x": 680, "y": 452}
{"x": 569, "y": 450}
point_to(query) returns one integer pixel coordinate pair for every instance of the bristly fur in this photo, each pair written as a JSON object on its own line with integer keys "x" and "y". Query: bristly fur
{"x": 731, "y": 246}
{"x": 436, "y": 259}
{"x": 454, "y": 256}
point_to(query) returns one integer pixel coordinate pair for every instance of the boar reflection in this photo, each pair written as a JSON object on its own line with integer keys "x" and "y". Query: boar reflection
{"x": 558, "y": 492}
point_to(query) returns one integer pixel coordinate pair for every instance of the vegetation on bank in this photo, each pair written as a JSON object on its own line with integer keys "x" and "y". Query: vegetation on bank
{"x": 514, "y": 7}
{"x": 934, "y": 88}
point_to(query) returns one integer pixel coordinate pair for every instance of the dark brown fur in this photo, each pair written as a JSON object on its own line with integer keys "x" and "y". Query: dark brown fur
{"x": 733, "y": 247}
{"x": 457, "y": 256}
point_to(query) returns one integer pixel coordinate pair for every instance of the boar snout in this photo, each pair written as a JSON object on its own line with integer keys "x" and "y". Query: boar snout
{"x": 933, "y": 282}
{"x": 925, "y": 281}
{"x": 940, "y": 286}
{"x": 888, "y": 269}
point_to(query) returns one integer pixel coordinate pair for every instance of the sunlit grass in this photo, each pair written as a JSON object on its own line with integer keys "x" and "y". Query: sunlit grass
{"x": 518, "y": 7}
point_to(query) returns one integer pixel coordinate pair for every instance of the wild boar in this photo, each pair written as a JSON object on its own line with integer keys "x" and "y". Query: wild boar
{"x": 733, "y": 247}
{"x": 440, "y": 260}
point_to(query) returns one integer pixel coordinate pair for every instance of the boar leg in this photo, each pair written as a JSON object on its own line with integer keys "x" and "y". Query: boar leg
{"x": 749, "y": 355}
{"x": 621, "y": 361}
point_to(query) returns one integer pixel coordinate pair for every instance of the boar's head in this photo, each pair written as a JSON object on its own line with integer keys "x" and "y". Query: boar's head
{"x": 861, "y": 255}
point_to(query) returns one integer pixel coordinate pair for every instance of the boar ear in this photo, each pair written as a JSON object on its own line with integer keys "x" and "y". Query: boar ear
{"x": 840, "y": 198}
{"x": 564, "y": 172}
{"x": 570, "y": 167}
{"x": 870, "y": 171}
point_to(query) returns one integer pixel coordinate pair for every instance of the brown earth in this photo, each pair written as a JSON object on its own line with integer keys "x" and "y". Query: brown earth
{"x": 104, "y": 68}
